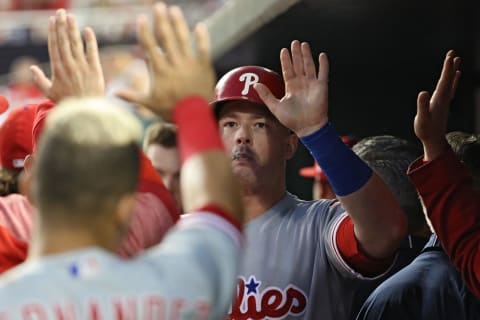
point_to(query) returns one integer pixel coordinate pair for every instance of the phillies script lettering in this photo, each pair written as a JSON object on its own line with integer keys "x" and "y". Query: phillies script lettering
{"x": 271, "y": 303}
{"x": 250, "y": 79}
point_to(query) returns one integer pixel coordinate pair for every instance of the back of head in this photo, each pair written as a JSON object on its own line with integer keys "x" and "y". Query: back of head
{"x": 87, "y": 159}
{"x": 390, "y": 157}
{"x": 161, "y": 133}
{"x": 237, "y": 84}
{"x": 467, "y": 148}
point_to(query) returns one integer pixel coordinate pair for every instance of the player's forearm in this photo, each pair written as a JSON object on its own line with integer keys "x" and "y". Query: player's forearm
{"x": 380, "y": 224}
{"x": 453, "y": 206}
{"x": 200, "y": 188}
{"x": 379, "y": 221}
{"x": 207, "y": 178}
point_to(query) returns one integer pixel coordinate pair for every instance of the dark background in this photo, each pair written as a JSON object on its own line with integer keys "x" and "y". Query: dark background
{"x": 382, "y": 53}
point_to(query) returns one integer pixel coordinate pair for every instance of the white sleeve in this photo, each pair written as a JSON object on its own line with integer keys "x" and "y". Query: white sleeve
{"x": 203, "y": 252}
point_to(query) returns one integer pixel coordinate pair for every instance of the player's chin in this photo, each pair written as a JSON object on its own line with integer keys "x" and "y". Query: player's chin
{"x": 243, "y": 170}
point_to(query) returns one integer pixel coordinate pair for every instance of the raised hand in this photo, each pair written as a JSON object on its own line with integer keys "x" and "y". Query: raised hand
{"x": 432, "y": 112}
{"x": 176, "y": 71}
{"x": 75, "y": 72}
{"x": 304, "y": 108}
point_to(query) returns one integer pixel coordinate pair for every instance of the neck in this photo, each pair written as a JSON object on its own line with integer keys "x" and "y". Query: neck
{"x": 64, "y": 238}
{"x": 258, "y": 200}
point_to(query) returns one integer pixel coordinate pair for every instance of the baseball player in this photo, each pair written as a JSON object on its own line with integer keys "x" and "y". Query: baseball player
{"x": 446, "y": 187}
{"x": 303, "y": 260}
{"x": 15, "y": 145}
{"x": 78, "y": 73}
{"x": 71, "y": 272}
{"x": 160, "y": 146}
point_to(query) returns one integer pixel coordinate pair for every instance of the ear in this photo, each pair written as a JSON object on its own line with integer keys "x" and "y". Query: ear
{"x": 124, "y": 210}
{"x": 25, "y": 179}
{"x": 28, "y": 164}
{"x": 291, "y": 146}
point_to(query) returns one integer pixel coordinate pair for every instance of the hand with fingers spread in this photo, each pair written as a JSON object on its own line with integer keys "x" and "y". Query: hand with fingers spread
{"x": 75, "y": 72}
{"x": 432, "y": 112}
{"x": 304, "y": 108}
{"x": 176, "y": 71}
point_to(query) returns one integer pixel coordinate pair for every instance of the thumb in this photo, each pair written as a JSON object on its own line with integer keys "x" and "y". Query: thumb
{"x": 133, "y": 97}
{"x": 267, "y": 96}
{"x": 40, "y": 80}
{"x": 423, "y": 104}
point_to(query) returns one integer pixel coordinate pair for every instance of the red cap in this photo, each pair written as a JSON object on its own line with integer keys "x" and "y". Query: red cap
{"x": 315, "y": 171}
{"x": 3, "y": 104}
{"x": 237, "y": 84}
{"x": 16, "y": 137}
{"x": 41, "y": 113}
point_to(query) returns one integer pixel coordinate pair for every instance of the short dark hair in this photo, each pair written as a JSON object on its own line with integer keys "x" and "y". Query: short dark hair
{"x": 162, "y": 133}
{"x": 8, "y": 181}
{"x": 390, "y": 157}
{"x": 467, "y": 149}
{"x": 88, "y": 159}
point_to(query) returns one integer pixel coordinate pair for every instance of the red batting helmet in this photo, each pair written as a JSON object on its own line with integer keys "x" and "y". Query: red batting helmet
{"x": 237, "y": 84}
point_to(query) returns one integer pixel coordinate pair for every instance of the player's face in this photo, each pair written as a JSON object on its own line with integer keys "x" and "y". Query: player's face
{"x": 167, "y": 163}
{"x": 256, "y": 142}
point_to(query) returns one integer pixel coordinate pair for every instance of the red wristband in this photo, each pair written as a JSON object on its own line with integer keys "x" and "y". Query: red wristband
{"x": 197, "y": 127}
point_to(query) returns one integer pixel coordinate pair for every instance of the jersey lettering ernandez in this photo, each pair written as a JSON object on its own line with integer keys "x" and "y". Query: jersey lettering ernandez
{"x": 191, "y": 275}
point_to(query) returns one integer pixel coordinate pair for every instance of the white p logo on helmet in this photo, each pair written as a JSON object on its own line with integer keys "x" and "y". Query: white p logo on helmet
{"x": 250, "y": 79}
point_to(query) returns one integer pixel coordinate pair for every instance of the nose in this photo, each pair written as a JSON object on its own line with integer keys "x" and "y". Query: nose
{"x": 243, "y": 136}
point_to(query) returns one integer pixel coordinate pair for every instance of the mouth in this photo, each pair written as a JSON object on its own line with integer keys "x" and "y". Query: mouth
{"x": 242, "y": 157}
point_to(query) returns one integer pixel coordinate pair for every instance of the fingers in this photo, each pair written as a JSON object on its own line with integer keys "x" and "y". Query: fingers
{"x": 63, "y": 42}
{"x": 423, "y": 105}
{"x": 93, "y": 57}
{"x": 165, "y": 33}
{"x": 181, "y": 31}
{"x": 456, "y": 66}
{"x": 297, "y": 58}
{"x": 149, "y": 44}
{"x": 308, "y": 64}
{"x": 287, "y": 66}
{"x": 76, "y": 42}
{"x": 202, "y": 39}
{"x": 267, "y": 97}
{"x": 53, "y": 52}
{"x": 41, "y": 81}
{"x": 323, "y": 67}
{"x": 133, "y": 97}
{"x": 447, "y": 77}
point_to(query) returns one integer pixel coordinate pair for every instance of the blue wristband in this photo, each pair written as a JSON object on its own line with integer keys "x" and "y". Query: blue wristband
{"x": 345, "y": 171}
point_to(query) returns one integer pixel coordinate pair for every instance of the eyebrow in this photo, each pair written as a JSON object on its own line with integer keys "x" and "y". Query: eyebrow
{"x": 235, "y": 114}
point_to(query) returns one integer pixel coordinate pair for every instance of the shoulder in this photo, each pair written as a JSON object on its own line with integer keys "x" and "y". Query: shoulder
{"x": 322, "y": 209}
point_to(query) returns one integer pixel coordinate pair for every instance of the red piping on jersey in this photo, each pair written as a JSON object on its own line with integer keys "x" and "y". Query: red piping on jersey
{"x": 351, "y": 252}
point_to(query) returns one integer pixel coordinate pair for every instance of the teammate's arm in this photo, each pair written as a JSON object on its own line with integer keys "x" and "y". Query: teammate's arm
{"x": 445, "y": 185}
{"x": 76, "y": 72}
{"x": 379, "y": 223}
{"x": 182, "y": 84}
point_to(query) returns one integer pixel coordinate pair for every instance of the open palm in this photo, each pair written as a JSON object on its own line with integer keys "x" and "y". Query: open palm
{"x": 304, "y": 108}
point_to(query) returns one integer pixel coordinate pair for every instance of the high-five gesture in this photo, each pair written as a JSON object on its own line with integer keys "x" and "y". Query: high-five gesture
{"x": 432, "y": 112}
{"x": 75, "y": 72}
{"x": 304, "y": 108}
{"x": 176, "y": 70}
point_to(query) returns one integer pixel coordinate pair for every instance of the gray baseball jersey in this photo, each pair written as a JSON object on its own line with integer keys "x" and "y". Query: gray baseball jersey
{"x": 191, "y": 275}
{"x": 292, "y": 268}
